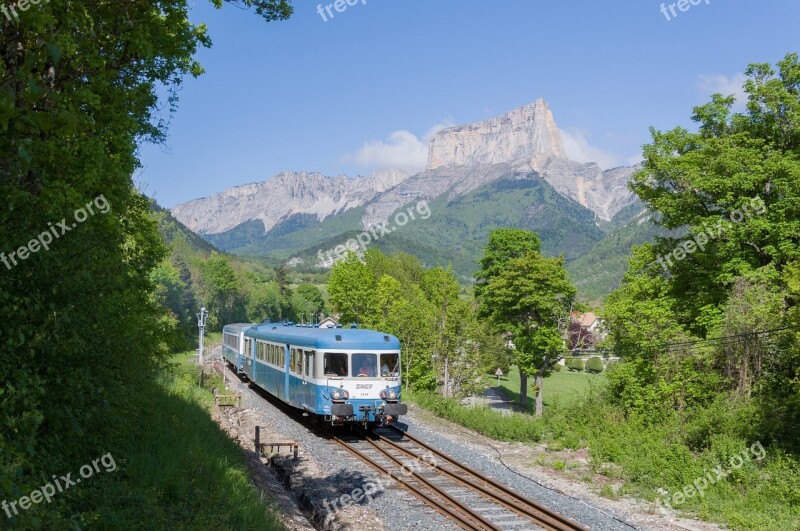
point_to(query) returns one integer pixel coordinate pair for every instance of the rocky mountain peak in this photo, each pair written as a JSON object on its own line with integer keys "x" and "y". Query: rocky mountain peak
{"x": 526, "y": 133}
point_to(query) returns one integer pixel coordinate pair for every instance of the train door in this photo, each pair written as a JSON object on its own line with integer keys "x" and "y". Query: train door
{"x": 309, "y": 373}
{"x": 240, "y": 351}
{"x": 247, "y": 360}
{"x": 287, "y": 367}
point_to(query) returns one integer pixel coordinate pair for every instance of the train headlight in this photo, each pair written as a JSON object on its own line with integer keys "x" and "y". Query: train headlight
{"x": 383, "y": 394}
{"x": 392, "y": 395}
{"x": 336, "y": 394}
{"x": 345, "y": 394}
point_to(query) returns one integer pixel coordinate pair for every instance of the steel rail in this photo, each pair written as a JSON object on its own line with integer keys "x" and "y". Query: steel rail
{"x": 542, "y": 515}
{"x": 478, "y": 523}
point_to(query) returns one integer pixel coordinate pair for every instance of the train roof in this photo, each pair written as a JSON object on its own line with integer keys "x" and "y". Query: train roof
{"x": 237, "y": 327}
{"x": 325, "y": 338}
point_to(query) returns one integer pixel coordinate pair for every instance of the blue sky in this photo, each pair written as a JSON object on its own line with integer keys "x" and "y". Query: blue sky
{"x": 365, "y": 89}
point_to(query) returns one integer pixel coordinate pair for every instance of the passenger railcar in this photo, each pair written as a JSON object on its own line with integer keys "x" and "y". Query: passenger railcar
{"x": 233, "y": 344}
{"x": 340, "y": 375}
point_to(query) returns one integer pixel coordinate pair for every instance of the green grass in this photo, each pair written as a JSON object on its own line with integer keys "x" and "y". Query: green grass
{"x": 177, "y": 468}
{"x": 559, "y": 388}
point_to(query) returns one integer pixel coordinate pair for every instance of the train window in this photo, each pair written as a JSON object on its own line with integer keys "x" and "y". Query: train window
{"x": 365, "y": 365}
{"x": 310, "y": 364}
{"x": 390, "y": 365}
{"x": 335, "y": 364}
{"x": 296, "y": 364}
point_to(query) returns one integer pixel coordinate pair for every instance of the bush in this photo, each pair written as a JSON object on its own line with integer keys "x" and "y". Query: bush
{"x": 594, "y": 365}
{"x": 557, "y": 368}
{"x": 574, "y": 364}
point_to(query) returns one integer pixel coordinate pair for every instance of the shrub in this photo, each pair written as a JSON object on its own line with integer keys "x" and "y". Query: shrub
{"x": 594, "y": 365}
{"x": 557, "y": 368}
{"x": 574, "y": 364}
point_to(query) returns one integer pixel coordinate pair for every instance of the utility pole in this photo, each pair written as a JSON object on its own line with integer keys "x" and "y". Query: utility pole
{"x": 201, "y": 324}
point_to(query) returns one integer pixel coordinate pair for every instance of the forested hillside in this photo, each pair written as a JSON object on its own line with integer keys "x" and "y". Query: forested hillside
{"x": 234, "y": 289}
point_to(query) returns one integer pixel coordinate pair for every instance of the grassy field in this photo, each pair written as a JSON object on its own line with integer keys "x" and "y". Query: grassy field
{"x": 559, "y": 388}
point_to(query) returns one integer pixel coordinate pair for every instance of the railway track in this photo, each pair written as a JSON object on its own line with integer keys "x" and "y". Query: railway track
{"x": 458, "y": 492}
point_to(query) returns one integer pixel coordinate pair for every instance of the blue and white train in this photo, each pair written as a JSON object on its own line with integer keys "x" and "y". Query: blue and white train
{"x": 342, "y": 376}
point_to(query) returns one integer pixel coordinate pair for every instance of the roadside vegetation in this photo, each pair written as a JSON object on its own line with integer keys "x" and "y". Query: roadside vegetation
{"x": 181, "y": 471}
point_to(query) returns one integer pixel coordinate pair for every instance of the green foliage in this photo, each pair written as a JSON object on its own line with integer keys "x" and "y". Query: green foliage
{"x": 351, "y": 288}
{"x": 313, "y": 297}
{"x": 527, "y": 295}
{"x": 594, "y": 364}
{"x": 730, "y": 189}
{"x": 220, "y": 292}
{"x": 444, "y": 344}
{"x": 264, "y": 302}
{"x": 598, "y": 272}
{"x": 574, "y": 364}
{"x": 84, "y": 325}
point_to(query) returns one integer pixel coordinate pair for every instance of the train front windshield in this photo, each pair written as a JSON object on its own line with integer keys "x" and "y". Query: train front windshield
{"x": 365, "y": 365}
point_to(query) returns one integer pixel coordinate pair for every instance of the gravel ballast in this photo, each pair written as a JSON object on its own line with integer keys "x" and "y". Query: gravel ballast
{"x": 325, "y": 472}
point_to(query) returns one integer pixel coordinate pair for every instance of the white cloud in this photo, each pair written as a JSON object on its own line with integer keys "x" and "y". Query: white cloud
{"x": 576, "y": 144}
{"x": 402, "y": 149}
{"x": 719, "y": 83}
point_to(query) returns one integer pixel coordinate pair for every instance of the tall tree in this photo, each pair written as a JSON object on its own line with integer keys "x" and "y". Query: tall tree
{"x": 504, "y": 245}
{"x": 528, "y": 297}
{"x": 732, "y": 187}
{"x": 351, "y": 288}
{"x": 441, "y": 289}
{"x": 221, "y": 292}
{"x": 313, "y": 295}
